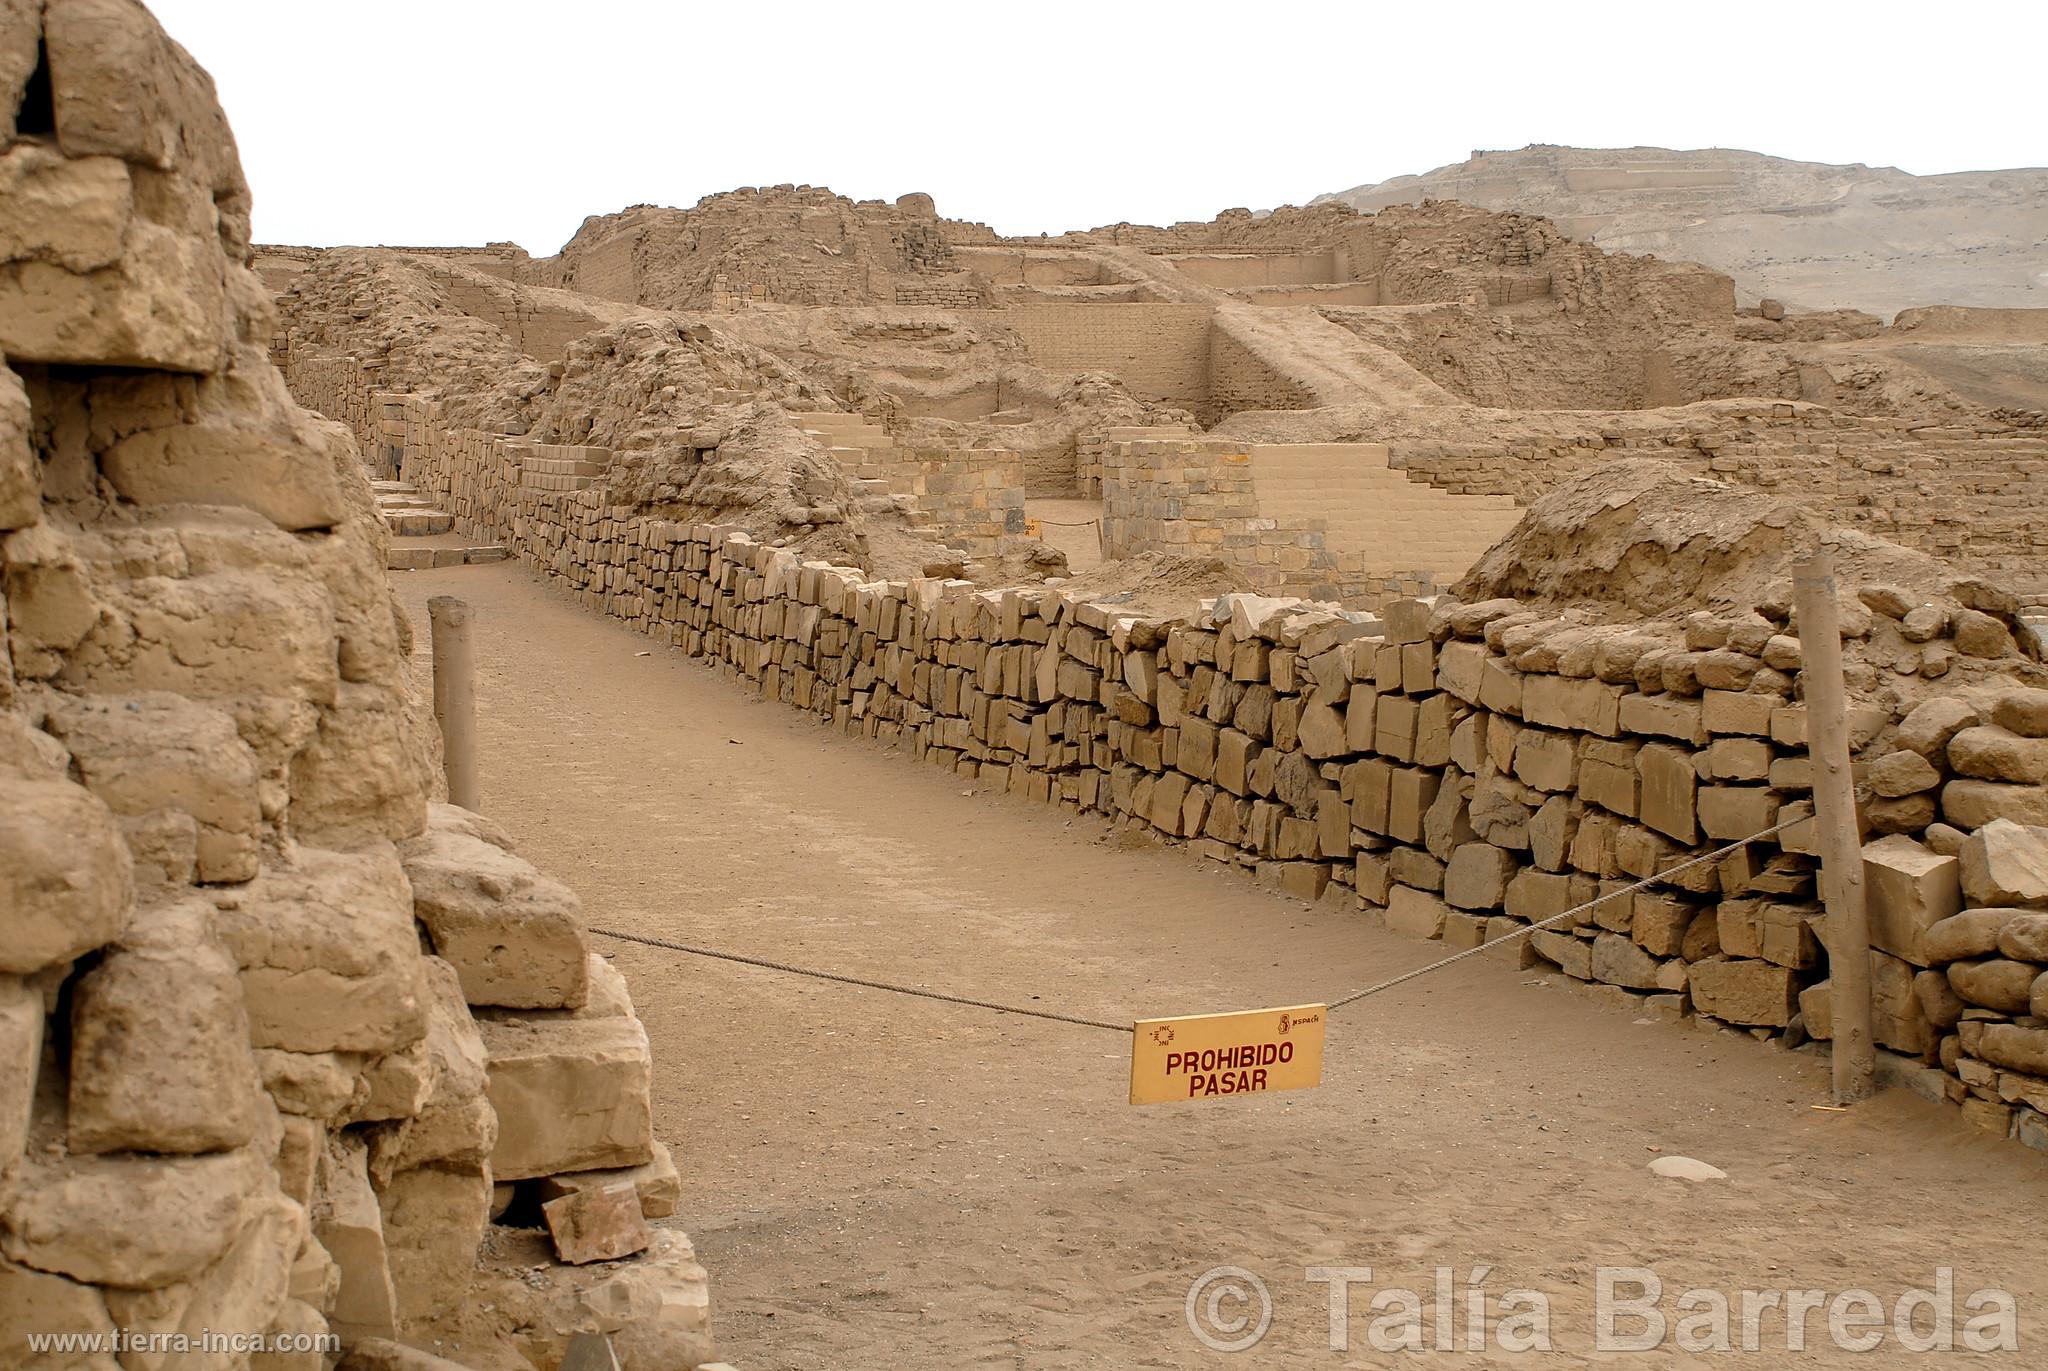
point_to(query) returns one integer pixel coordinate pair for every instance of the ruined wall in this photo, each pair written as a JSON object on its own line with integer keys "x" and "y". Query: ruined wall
{"x": 258, "y": 1066}
{"x": 1248, "y": 270}
{"x": 1962, "y": 494}
{"x": 1159, "y": 351}
{"x": 1240, "y": 379}
{"x": 1326, "y": 520}
{"x": 786, "y": 244}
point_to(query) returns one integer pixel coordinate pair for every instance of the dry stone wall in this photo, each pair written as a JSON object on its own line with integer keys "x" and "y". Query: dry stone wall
{"x": 1458, "y": 772}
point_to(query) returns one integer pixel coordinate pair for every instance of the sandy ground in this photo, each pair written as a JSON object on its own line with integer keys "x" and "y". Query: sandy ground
{"x": 880, "y": 1181}
{"x": 1072, "y": 526}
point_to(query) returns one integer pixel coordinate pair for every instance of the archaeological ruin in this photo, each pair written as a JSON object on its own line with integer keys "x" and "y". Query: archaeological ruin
{"x": 1427, "y": 566}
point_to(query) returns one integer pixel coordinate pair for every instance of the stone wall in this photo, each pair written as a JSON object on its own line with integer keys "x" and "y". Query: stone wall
{"x": 1457, "y": 772}
{"x": 1239, "y": 379}
{"x": 277, "y": 1037}
{"x": 1160, "y": 351}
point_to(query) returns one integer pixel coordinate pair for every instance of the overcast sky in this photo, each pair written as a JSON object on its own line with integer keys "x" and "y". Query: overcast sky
{"x": 438, "y": 122}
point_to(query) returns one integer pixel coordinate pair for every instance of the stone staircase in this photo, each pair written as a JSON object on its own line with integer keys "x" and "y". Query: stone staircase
{"x": 1363, "y": 505}
{"x": 409, "y": 514}
{"x": 883, "y": 481}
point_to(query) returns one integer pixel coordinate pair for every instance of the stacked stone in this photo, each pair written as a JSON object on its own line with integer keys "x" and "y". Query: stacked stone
{"x": 1985, "y": 989}
{"x": 1957, "y": 942}
{"x": 236, "y": 1092}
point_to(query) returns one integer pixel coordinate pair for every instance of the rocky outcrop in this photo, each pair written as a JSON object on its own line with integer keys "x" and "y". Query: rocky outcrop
{"x": 241, "y": 1087}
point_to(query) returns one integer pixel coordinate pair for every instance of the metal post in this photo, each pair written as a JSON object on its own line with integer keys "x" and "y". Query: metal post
{"x": 1834, "y": 810}
{"x": 455, "y": 697}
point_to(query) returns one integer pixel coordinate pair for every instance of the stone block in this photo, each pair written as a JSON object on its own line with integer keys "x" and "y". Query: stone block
{"x": 1971, "y": 804}
{"x": 1669, "y": 782}
{"x": 1414, "y": 913}
{"x": 597, "y": 1223}
{"x": 2023, "y": 711}
{"x": 1787, "y": 936}
{"x": 1608, "y": 778}
{"x": 657, "y": 1183}
{"x": 455, "y": 1125}
{"x": 1908, "y": 889}
{"x": 329, "y": 952}
{"x": 1729, "y": 711}
{"x": 570, "y": 1095}
{"x": 1516, "y": 952}
{"x": 160, "y": 1042}
{"x": 1477, "y": 876}
{"x": 1993, "y": 754}
{"x": 66, "y": 879}
{"x": 1662, "y": 716}
{"x": 1735, "y": 811}
{"x": 2004, "y": 863}
{"x": 1744, "y": 991}
{"x": 21, "y": 1054}
{"x": 1658, "y": 922}
{"x": 1410, "y": 793}
{"x": 2015, "y": 1047}
{"x": 1580, "y": 706}
{"x": 1547, "y": 761}
{"x": 350, "y": 1225}
{"x": 1570, "y": 954}
{"x": 513, "y": 935}
{"x": 1901, "y": 773}
{"x": 1459, "y": 669}
{"x": 1736, "y": 759}
{"x": 1995, "y": 983}
{"x": 1618, "y": 960}
{"x": 154, "y": 751}
{"x": 1394, "y": 732}
{"x": 433, "y": 1221}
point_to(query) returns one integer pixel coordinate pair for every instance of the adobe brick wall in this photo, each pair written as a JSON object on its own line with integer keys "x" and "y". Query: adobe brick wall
{"x": 1160, "y": 351}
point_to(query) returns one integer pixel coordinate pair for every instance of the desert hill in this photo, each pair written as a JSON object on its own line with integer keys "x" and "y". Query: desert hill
{"x": 1813, "y": 235}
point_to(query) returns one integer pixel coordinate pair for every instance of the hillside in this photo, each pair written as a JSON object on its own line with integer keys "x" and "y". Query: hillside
{"x": 1810, "y": 234}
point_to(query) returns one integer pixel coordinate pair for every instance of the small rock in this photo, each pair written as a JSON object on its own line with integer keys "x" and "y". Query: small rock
{"x": 598, "y": 1223}
{"x": 1902, "y": 773}
{"x": 1687, "y": 1169}
{"x": 1981, "y": 635}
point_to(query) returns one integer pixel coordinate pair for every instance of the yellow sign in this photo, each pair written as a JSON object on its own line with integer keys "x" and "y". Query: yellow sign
{"x": 1205, "y": 1056}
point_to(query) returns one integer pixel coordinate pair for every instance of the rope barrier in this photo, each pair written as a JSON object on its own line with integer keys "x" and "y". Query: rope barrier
{"x": 1055, "y": 523}
{"x": 1569, "y": 915}
{"x": 766, "y": 964}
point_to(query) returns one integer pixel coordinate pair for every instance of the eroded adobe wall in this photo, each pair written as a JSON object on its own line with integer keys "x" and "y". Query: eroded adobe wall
{"x": 260, "y": 1070}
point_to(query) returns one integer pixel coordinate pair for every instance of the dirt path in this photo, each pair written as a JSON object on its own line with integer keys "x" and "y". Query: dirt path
{"x": 877, "y": 1181}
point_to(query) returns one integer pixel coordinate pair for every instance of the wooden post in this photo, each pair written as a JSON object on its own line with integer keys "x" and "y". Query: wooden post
{"x": 455, "y": 697}
{"x": 1834, "y": 811}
